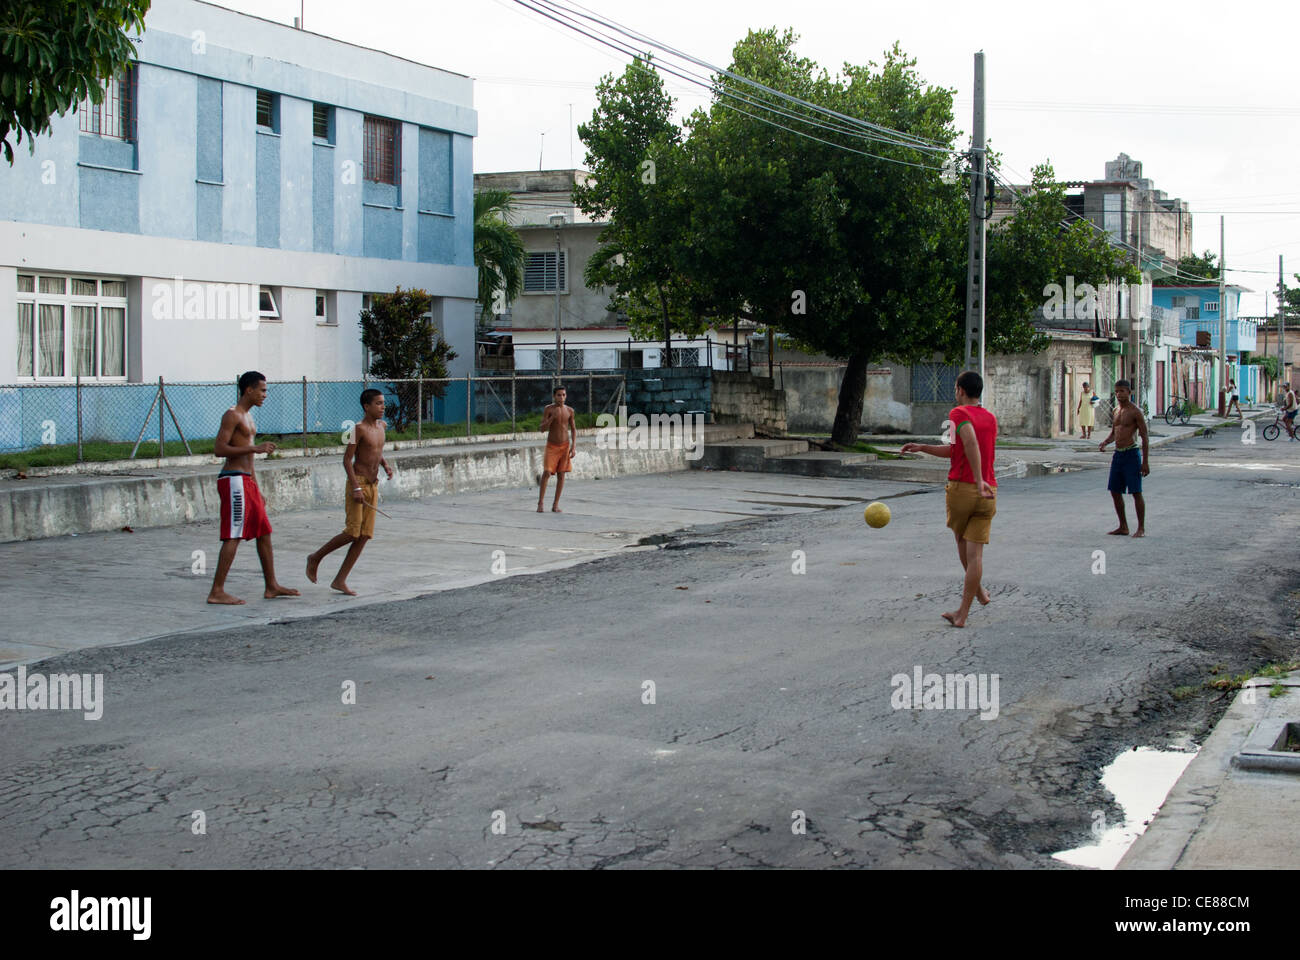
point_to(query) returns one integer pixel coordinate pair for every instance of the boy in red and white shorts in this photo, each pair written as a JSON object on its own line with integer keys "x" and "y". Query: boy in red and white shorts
{"x": 243, "y": 511}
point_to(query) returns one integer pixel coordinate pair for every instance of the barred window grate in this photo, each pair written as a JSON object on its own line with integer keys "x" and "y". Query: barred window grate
{"x": 114, "y": 116}
{"x": 934, "y": 382}
{"x": 320, "y": 121}
{"x": 382, "y": 148}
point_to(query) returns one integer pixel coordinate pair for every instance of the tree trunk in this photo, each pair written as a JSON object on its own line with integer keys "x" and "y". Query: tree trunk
{"x": 668, "y": 330}
{"x": 848, "y": 414}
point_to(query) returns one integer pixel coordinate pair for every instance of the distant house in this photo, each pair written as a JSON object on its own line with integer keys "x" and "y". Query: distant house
{"x": 592, "y": 337}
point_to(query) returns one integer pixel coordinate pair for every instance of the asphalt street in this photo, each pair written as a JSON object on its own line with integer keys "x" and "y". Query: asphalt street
{"x": 695, "y": 702}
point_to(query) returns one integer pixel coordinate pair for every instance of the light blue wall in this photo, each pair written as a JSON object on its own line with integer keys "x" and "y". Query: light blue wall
{"x": 296, "y": 174}
{"x": 166, "y": 125}
{"x": 268, "y": 189}
{"x": 348, "y": 184}
{"x": 43, "y": 186}
{"x": 200, "y": 170}
{"x": 238, "y": 199}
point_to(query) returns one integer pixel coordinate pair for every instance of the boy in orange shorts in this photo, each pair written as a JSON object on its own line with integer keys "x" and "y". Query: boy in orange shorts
{"x": 561, "y": 443}
{"x": 361, "y": 461}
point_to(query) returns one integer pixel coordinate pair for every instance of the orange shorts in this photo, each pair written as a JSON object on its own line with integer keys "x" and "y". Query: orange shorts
{"x": 557, "y": 458}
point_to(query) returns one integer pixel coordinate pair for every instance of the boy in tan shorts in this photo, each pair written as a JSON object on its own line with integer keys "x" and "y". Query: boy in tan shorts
{"x": 971, "y": 499}
{"x": 361, "y": 461}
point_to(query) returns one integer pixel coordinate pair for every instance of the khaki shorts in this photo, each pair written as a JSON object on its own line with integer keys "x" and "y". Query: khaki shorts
{"x": 360, "y": 518}
{"x": 970, "y": 516}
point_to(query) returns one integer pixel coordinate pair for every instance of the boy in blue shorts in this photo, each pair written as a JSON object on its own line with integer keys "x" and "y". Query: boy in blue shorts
{"x": 1127, "y": 465}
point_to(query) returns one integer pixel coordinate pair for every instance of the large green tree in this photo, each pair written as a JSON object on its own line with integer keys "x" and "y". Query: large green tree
{"x": 637, "y": 186}
{"x": 1204, "y": 266}
{"x": 56, "y": 53}
{"x": 498, "y": 251}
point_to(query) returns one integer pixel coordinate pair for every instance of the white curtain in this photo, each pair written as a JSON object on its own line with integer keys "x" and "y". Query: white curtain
{"x": 114, "y": 340}
{"x": 25, "y": 313}
{"x": 83, "y": 341}
{"x": 51, "y": 340}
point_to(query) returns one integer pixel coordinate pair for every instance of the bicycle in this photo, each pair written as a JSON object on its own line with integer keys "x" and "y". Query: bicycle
{"x": 1273, "y": 430}
{"x": 1180, "y": 410}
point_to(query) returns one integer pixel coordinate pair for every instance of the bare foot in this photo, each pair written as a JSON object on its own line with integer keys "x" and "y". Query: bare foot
{"x": 539, "y": 509}
{"x": 278, "y": 591}
{"x": 983, "y": 597}
{"x": 1118, "y": 532}
{"x": 952, "y": 618}
{"x": 556, "y": 510}
{"x": 312, "y": 564}
{"x": 342, "y": 587}
{"x": 1140, "y": 532}
{"x": 220, "y": 596}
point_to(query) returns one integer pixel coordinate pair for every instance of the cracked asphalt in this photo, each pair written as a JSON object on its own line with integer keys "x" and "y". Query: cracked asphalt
{"x": 504, "y": 725}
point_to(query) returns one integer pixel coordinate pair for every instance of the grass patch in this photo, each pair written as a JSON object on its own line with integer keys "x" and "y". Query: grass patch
{"x": 1182, "y": 693}
{"x": 98, "y": 451}
{"x": 1276, "y": 690}
{"x": 860, "y": 447}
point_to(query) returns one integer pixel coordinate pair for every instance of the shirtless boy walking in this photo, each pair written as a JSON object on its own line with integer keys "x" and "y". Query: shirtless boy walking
{"x": 561, "y": 443}
{"x": 1127, "y": 467}
{"x": 243, "y": 511}
{"x": 361, "y": 461}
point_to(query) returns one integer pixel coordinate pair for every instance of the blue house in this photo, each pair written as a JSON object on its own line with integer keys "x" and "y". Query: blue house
{"x": 240, "y": 191}
{"x": 1197, "y": 310}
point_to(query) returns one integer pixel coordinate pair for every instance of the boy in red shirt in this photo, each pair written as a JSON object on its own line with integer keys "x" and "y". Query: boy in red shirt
{"x": 972, "y": 490}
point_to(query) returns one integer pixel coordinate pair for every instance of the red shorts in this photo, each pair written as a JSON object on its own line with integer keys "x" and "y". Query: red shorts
{"x": 243, "y": 511}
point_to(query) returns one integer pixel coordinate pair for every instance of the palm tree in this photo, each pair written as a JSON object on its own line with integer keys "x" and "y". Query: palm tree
{"x": 498, "y": 251}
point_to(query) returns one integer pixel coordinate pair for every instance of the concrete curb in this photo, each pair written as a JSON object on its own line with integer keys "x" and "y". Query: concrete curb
{"x": 1195, "y": 799}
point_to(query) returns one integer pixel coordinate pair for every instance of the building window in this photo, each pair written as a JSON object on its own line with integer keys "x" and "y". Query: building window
{"x": 631, "y": 359}
{"x": 266, "y": 304}
{"x": 541, "y": 275}
{"x": 382, "y": 150}
{"x": 573, "y": 359}
{"x": 686, "y": 356}
{"x": 114, "y": 116}
{"x": 267, "y": 111}
{"x": 320, "y": 122}
{"x": 322, "y": 307}
{"x": 71, "y": 326}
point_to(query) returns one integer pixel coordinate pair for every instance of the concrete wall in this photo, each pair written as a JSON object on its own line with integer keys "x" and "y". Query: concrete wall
{"x": 670, "y": 390}
{"x": 743, "y": 398}
{"x": 89, "y": 504}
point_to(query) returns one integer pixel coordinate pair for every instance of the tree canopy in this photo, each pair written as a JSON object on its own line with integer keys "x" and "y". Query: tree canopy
{"x": 53, "y": 55}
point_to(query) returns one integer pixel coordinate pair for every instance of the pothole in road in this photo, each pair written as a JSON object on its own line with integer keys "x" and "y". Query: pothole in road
{"x": 1139, "y": 778}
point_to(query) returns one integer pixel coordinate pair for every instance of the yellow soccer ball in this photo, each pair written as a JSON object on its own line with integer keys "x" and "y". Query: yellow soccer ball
{"x": 876, "y": 514}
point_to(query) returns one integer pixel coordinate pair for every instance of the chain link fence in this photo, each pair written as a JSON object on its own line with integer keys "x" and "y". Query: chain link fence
{"x": 79, "y": 422}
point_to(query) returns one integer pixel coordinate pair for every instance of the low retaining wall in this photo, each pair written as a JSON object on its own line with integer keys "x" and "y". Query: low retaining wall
{"x": 52, "y": 508}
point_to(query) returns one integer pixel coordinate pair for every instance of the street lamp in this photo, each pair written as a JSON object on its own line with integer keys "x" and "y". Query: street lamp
{"x": 557, "y": 221}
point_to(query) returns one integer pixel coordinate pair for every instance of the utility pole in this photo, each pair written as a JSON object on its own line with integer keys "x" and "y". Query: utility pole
{"x": 1281, "y": 322}
{"x": 975, "y": 245}
{"x": 1223, "y": 330}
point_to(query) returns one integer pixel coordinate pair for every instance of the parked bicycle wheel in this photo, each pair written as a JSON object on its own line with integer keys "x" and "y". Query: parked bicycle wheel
{"x": 1184, "y": 415}
{"x": 1271, "y": 431}
{"x": 1171, "y": 414}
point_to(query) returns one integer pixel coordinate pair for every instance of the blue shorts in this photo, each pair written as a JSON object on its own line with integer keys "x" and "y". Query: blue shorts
{"x": 1126, "y": 471}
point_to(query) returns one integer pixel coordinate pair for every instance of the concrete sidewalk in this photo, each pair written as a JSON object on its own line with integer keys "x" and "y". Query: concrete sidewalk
{"x": 69, "y": 593}
{"x": 1222, "y": 814}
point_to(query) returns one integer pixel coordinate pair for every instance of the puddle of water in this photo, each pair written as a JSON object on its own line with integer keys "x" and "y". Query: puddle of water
{"x": 1023, "y": 469}
{"x": 1242, "y": 466}
{"x": 1139, "y": 780}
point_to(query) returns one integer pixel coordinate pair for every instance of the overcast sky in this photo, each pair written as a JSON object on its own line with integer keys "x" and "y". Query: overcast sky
{"x": 1204, "y": 94}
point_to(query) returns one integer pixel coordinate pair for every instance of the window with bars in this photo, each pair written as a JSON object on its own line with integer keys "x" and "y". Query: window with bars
{"x": 382, "y": 144}
{"x": 71, "y": 326}
{"x": 320, "y": 122}
{"x": 541, "y": 275}
{"x": 114, "y": 116}
{"x": 572, "y": 359}
{"x": 266, "y": 110}
{"x": 934, "y": 382}
{"x": 686, "y": 356}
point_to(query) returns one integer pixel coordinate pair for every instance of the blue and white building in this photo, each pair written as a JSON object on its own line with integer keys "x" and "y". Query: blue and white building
{"x": 1197, "y": 310}
{"x": 229, "y": 205}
